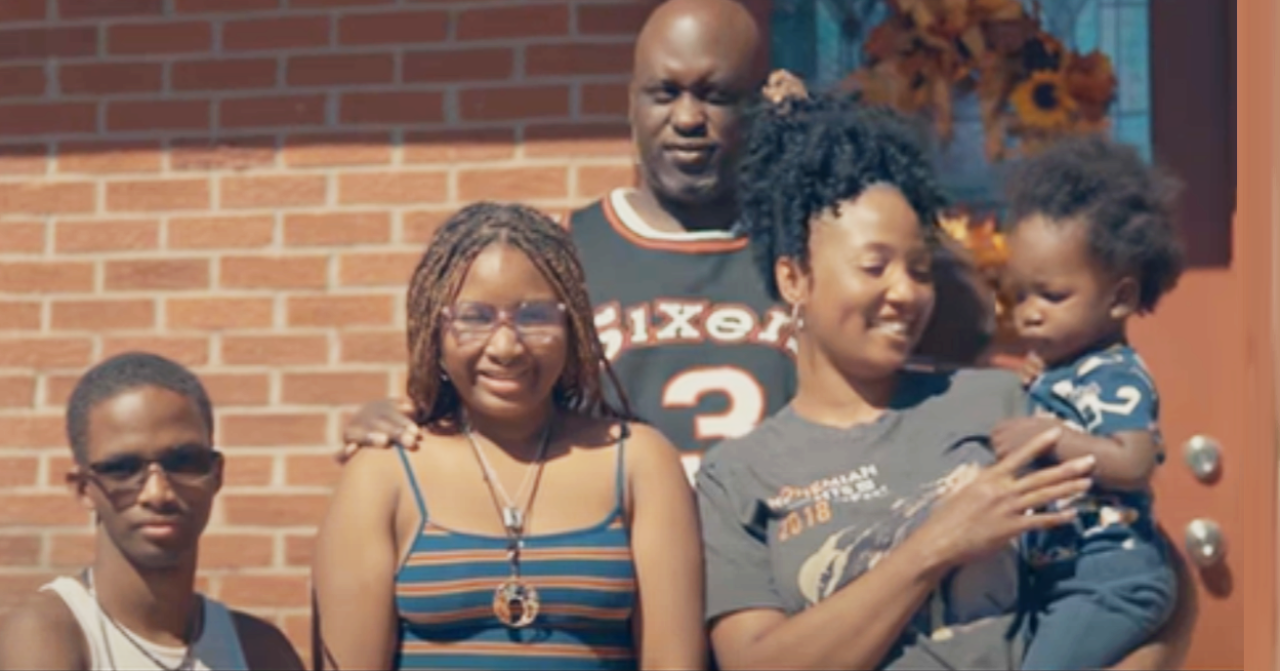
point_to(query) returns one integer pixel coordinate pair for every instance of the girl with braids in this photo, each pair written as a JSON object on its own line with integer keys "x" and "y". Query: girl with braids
{"x": 868, "y": 524}
{"x": 535, "y": 526}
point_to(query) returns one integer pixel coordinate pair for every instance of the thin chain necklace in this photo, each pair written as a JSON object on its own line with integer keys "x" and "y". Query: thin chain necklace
{"x": 194, "y": 627}
{"x": 515, "y": 602}
{"x": 513, "y": 515}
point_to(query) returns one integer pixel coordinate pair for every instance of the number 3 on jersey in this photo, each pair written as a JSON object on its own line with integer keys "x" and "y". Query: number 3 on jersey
{"x": 746, "y": 403}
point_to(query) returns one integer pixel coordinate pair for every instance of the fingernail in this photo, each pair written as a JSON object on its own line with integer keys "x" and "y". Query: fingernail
{"x": 1086, "y": 461}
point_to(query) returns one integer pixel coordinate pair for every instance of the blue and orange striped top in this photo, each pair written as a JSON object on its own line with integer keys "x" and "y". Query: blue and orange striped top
{"x": 585, "y": 580}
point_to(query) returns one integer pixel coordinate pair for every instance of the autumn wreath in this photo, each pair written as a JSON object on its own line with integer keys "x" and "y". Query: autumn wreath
{"x": 1029, "y": 87}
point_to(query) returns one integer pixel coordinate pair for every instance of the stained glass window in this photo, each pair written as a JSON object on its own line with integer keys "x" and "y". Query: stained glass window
{"x": 821, "y": 40}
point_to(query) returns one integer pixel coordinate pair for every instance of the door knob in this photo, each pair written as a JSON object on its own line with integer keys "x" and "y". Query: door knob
{"x": 1204, "y": 542}
{"x": 1203, "y": 456}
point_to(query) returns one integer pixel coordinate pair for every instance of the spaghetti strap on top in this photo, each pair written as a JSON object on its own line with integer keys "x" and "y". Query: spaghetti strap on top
{"x": 444, "y": 595}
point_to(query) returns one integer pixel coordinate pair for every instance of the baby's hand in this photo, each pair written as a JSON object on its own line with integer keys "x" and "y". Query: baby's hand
{"x": 1011, "y": 434}
{"x": 1032, "y": 368}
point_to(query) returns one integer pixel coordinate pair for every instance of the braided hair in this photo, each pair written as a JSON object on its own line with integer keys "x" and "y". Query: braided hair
{"x": 438, "y": 278}
{"x": 805, "y": 156}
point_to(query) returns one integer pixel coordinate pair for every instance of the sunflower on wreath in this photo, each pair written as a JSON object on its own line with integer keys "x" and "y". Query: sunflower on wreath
{"x": 1030, "y": 88}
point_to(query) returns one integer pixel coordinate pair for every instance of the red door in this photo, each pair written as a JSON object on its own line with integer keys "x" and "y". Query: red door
{"x": 1207, "y": 344}
{"x": 1257, "y": 153}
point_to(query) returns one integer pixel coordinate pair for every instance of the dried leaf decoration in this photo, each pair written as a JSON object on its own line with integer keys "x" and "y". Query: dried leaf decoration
{"x": 1030, "y": 88}
{"x": 990, "y": 252}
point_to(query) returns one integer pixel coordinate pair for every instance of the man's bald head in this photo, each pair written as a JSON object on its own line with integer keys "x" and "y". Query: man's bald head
{"x": 726, "y": 26}
{"x": 696, "y": 62}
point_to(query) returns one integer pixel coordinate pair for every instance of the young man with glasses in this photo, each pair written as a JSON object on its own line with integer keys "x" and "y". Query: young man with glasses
{"x": 141, "y": 431}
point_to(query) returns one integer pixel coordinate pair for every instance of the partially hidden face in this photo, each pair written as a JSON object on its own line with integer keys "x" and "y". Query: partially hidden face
{"x": 1066, "y": 303}
{"x": 686, "y": 109}
{"x": 151, "y": 474}
{"x": 868, "y": 293}
{"x": 505, "y": 339}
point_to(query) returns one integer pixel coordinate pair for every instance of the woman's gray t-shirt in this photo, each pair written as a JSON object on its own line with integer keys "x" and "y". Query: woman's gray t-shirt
{"x": 795, "y": 510}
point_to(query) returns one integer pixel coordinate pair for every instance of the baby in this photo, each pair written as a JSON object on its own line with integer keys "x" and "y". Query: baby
{"x": 1092, "y": 245}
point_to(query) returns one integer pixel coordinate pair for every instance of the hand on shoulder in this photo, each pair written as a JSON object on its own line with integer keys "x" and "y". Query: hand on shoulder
{"x": 379, "y": 424}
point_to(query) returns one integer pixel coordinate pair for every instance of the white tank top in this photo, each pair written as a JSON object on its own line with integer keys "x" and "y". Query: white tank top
{"x": 109, "y": 649}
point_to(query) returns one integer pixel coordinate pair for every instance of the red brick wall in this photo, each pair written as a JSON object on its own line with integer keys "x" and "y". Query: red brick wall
{"x": 243, "y": 185}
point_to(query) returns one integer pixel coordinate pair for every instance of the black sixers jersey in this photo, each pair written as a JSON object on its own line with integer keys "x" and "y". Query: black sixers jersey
{"x": 701, "y": 350}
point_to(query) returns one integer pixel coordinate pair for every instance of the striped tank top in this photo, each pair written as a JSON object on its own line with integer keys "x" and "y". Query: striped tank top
{"x": 584, "y": 578}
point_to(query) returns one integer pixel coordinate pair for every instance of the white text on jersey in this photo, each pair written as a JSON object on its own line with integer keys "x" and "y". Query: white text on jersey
{"x": 668, "y": 321}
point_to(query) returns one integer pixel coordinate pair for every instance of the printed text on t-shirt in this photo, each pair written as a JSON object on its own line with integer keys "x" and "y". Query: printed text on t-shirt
{"x": 802, "y": 508}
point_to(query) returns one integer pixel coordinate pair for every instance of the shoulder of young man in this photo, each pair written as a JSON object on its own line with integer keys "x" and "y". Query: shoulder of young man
{"x": 263, "y": 644}
{"x": 43, "y": 634}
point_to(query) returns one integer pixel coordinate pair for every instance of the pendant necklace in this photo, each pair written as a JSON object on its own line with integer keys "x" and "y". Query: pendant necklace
{"x": 194, "y": 627}
{"x": 515, "y": 601}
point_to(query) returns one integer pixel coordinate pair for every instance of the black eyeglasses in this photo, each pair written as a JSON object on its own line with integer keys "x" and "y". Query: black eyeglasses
{"x": 536, "y": 322}
{"x": 189, "y": 465}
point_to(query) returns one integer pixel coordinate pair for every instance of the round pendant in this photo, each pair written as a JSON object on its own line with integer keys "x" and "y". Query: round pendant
{"x": 515, "y": 603}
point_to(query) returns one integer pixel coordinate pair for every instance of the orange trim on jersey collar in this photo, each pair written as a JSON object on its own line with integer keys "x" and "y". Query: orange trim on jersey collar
{"x": 681, "y": 246}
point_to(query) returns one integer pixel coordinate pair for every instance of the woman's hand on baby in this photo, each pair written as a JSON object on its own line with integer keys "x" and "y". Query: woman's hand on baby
{"x": 379, "y": 424}
{"x": 997, "y": 505}
{"x": 1011, "y": 434}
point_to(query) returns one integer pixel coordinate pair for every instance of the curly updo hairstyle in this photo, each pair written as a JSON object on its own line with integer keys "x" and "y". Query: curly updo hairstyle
{"x": 1126, "y": 204}
{"x": 806, "y": 156}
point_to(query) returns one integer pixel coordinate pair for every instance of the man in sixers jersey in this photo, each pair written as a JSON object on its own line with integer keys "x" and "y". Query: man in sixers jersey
{"x": 699, "y": 347}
